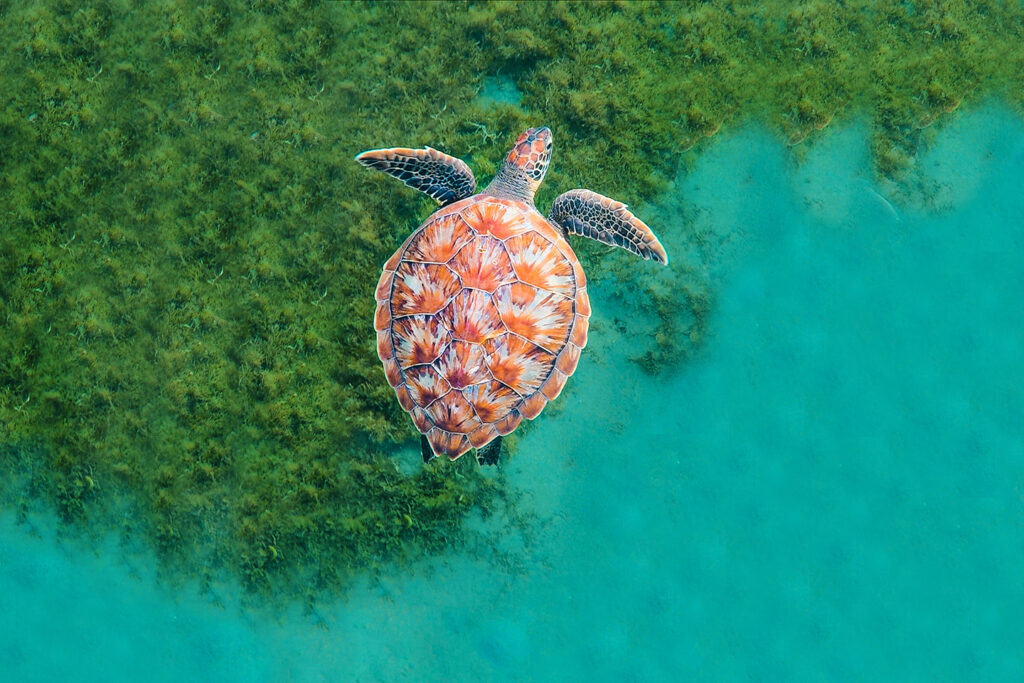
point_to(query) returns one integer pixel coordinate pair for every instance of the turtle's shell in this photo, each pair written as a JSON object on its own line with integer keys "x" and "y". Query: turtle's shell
{"x": 481, "y": 316}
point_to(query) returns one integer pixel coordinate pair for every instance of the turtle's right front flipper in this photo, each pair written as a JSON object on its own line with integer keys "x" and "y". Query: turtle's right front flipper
{"x": 587, "y": 213}
{"x": 434, "y": 173}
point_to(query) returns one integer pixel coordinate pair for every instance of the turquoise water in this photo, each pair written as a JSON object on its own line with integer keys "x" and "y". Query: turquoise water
{"x": 832, "y": 490}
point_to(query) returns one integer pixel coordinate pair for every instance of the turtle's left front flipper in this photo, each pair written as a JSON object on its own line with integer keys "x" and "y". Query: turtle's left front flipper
{"x": 582, "y": 212}
{"x": 434, "y": 173}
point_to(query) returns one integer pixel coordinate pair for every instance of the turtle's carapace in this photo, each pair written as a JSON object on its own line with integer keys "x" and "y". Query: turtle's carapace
{"x": 482, "y": 313}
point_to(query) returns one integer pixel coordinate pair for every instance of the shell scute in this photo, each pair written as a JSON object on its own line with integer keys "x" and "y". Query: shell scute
{"x": 440, "y": 240}
{"x": 385, "y": 350}
{"x": 453, "y": 413}
{"x": 392, "y": 265}
{"x": 537, "y": 262}
{"x": 518, "y": 363}
{"x": 533, "y": 405}
{"x": 404, "y": 399}
{"x": 483, "y": 264}
{"x": 419, "y": 339}
{"x": 447, "y": 443}
{"x": 577, "y": 270}
{"x": 538, "y": 315}
{"x": 568, "y": 359}
{"x": 382, "y": 317}
{"x": 472, "y": 317}
{"x": 420, "y": 419}
{"x": 462, "y": 364}
{"x": 392, "y": 371}
{"x": 491, "y": 400}
{"x": 508, "y": 424}
{"x": 425, "y": 385}
{"x": 496, "y": 219}
{"x": 579, "y": 331}
{"x": 422, "y": 288}
{"x": 383, "y": 291}
{"x": 582, "y": 302}
{"x": 483, "y": 435}
{"x": 554, "y": 384}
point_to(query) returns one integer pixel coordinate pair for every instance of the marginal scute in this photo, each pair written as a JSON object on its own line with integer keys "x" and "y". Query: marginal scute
{"x": 517, "y": 363}
{"x": 392, "y": 264}
{"x": 533, "y": 405}
{"x": 462, "y": 364}
{"x": 439, "y": 240}
{"x": 483, "y": 264}
{"x": 446, "y": 443}
{"x": 577, "y": 269}
{"x": 483, "y": 435}
{"x": 392, "y": 371}
{"x": 554, "y": 385}
{"x": 508, "y": 424}
{"x": 582, "y": 302}
{"x": 568, "y": 359}
{"x": 422, "y": 288}
{"x": 579, "y": 332}
{"x": 382, "y": 316}
{"x": 404, "y": 399}
{"x": 542, "y": 317}
{"x": 385, "y": 351}
{"x": 383, "y": 292}
{"x": 420, "y": 419}
{"x": 419, "y": 339}
{"x": 472, "y": 317}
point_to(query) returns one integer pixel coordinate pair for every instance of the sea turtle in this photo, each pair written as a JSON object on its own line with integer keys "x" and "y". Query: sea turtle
{"x": 482, "y": 312}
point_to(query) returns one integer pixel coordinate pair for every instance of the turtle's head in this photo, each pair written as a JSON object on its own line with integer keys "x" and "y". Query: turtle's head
{"x": 531, "y": 154}
{"x": 524, "y": 167}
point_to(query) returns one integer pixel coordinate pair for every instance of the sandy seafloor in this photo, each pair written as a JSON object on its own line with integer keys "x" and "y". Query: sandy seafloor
{"x": 832, "y": 490}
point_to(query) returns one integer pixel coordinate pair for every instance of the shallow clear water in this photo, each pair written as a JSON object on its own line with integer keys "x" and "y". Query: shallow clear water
{"x": 833, "y": 489}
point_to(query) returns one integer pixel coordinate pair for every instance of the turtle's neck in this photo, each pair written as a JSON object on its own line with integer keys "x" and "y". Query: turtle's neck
{"x": 512, "y": 183}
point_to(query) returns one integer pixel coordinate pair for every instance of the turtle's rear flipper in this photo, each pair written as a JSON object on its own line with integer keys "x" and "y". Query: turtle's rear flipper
{"x": 488, "y": 455}
{"x": 425, "y": 450}
{"x": 434, "y": 173}
{"x": 582, "y": 212}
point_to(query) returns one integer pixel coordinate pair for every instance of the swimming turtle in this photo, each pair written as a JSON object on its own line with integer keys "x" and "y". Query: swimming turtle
{"x": 482, "y": 312}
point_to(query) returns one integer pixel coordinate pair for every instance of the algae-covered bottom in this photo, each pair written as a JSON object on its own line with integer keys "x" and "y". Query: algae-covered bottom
{"x": 188, "y": 252}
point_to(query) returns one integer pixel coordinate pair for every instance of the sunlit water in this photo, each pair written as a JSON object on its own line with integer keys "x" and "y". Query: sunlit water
{"x": 833, "y": 489}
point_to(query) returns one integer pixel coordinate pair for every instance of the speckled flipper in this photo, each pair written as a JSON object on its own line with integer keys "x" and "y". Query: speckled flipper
{"x": 582, "y": 212}
{"x": 434, "y": 173}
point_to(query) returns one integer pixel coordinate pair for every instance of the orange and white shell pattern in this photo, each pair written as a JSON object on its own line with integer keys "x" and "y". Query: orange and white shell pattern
{"x": 481, "y": 317}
